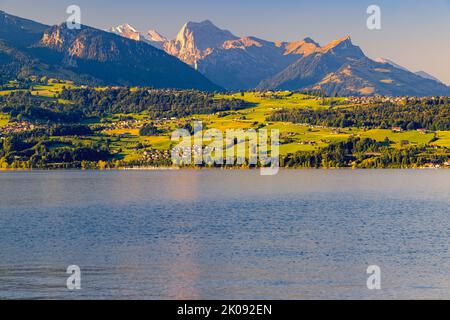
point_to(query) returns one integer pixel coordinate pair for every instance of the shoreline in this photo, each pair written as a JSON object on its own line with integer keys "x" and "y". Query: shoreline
{"x": 216, "y": 169}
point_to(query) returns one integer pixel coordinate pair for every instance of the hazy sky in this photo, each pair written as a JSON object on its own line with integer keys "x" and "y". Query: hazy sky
{"x": 415, "y": 33}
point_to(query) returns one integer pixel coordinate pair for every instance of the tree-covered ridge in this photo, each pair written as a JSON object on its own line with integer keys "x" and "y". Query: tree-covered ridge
{"x": 24, "y": 105}
{"x": 84, "y": 103}
{"x": 157, "y": 103}
{"x": 363, "y": 153}
{"x": 35, "y": 149}
{"x": 430, "y": 115}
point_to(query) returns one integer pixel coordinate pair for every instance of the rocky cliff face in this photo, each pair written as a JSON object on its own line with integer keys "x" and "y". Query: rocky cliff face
{"x": 87, "y": 43}
{"x": 196, "y": 40}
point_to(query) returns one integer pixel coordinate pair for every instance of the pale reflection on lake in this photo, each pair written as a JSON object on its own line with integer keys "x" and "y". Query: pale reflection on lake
{"x": 225, "y": 234}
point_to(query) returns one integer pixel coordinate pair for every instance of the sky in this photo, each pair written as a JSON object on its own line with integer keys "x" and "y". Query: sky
{"x": 414, "y": 33}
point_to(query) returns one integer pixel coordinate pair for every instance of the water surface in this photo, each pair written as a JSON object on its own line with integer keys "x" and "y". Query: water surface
{"x": 225, "y": 234}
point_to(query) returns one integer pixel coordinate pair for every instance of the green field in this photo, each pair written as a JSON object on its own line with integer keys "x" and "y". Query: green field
{"x": 4, "y": 119}
{"x": 412, "y": 137}
{"x": 266, "y": 103}
{"x": 49, "y": 90}
{"x": 443, "y": 139}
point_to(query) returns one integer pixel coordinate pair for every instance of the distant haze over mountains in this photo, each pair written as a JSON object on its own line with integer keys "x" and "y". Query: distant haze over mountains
{"x": 422, "y": 74}
{"x": 339, "y": 67}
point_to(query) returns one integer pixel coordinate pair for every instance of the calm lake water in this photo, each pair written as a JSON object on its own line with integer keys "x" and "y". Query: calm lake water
{"x": 225, "y": 234}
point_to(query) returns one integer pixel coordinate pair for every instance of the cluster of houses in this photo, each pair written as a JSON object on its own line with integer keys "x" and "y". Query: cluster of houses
{"x": 307, "y": 142}
{"x": 438, "y": 165}
{"x": 386, "y": 99}
{"x": 376, "y": 99}
{"x": 136, "y": 124}
{"x": 16, "y": 127}
{"x": 400, "y": 129}
{"x": 124, "y": 124}
{"x": 184, "y": 154}
{"x": 156, "y": 155}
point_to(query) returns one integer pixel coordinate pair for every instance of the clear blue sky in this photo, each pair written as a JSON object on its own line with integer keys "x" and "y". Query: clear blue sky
{"x": 415, "y": 33}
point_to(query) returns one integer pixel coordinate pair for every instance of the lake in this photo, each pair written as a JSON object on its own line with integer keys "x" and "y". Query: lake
{"x": 218, "y": 234}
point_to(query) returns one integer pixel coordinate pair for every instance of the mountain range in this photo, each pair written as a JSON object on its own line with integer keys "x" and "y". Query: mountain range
{"x": 339, "y": 67}
{"x": 202, "y": 56}
{"x": 90, "y": 56}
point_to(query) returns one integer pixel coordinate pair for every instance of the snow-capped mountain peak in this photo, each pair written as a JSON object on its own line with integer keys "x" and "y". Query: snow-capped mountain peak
{"x": 153, "y": 35}
{"x": 127, "y": 31}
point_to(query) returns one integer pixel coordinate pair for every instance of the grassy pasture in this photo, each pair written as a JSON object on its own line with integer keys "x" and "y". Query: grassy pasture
{"x": 4, "y": 119}
{"x": 443, "y": 139}
{"x": 49, "y": 90}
